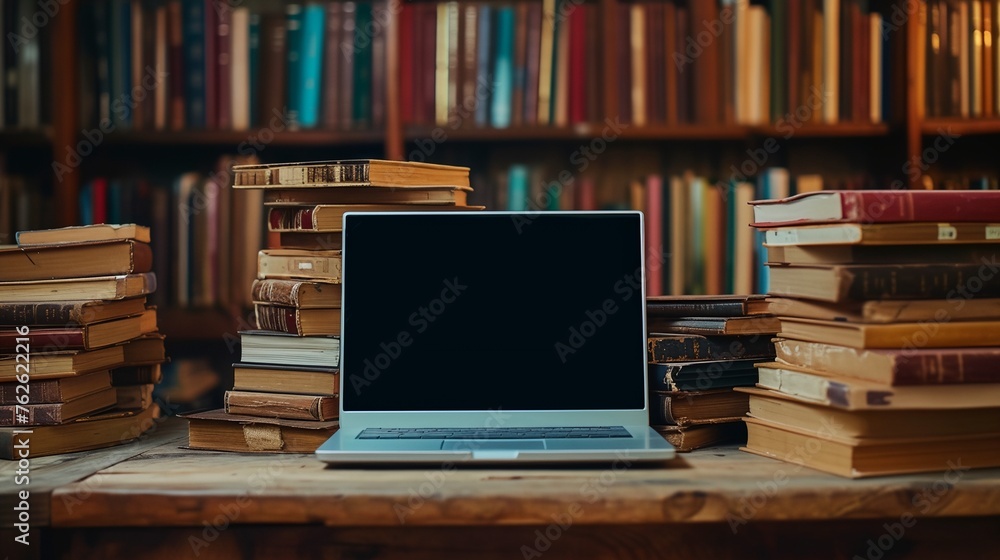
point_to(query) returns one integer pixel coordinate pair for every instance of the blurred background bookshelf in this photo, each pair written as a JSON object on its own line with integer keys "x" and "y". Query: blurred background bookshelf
{"x": 114, "y": 109}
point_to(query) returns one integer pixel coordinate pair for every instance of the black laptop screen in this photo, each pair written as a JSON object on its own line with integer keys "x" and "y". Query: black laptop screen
{"x": 486, "y": 311}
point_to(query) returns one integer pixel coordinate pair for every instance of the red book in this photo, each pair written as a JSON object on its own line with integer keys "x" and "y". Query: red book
{"x": 706, "y": 66}
{"x": 407, "y": 60}
{"x": 532, "y": 54}
{"x": 175, "y": 64}
{"x": 586, "y": 197}
{"x": 428, "y": 62}
{"x": 99, "y": 200}
{"x": 878, "y": 206}
{"x": 577, "y": 66}
{"x": 212, "y": 70}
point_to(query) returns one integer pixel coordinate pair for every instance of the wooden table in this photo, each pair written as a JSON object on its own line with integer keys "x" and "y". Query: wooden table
{"x": 155, "y": 499}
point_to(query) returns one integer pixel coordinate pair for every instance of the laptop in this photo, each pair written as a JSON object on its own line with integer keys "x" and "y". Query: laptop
{"x": 493, "y": 337}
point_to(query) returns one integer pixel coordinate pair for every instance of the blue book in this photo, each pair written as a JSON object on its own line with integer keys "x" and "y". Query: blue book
{"x": 483, "y": 63}
{"x": 503, "y": 79}
{"x": 361, "y": 102}
{"x": 760, "y": 255}
{"x": 253, "y": 38}
{"x": 293, "y": 42}
{"x": 517, "y": 188}
{"x": 311, "y": 53}
{"x": 115, "y": 203}
{"x": 194, "y": 62}
{"x": 86, "y": 203}
{"x": 102, "y": 52}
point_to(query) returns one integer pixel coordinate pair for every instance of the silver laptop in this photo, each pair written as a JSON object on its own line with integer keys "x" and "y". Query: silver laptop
{"x": 493, "y": 337}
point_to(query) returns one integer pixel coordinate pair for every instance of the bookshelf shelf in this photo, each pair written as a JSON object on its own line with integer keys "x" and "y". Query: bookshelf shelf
{"x": 933, "y": 127}
{"x": 233, "y": 138}
{"x": 839, "y": 130}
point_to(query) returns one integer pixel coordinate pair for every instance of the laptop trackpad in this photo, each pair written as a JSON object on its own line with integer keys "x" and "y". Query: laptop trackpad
{"x": 492, "y": 444}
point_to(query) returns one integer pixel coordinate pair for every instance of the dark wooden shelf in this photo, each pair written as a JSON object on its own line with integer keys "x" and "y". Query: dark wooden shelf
{"x": 207, "y": 325}
{"x": 233, "y": 138}
{"x": 584, "y": 131}
{"x": 933, "y": 127}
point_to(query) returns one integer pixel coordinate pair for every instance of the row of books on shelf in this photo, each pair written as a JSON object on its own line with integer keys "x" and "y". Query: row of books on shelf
{"x": 199, "y": 64}
{"x": 957, "y": 58}
{"x": 27, "y": 52}
{"x": 80, "y": 351}
{"x": 285, "y": 395}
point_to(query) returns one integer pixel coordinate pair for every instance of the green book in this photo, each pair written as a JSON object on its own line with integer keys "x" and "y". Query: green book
{"x": 361, "y": 109}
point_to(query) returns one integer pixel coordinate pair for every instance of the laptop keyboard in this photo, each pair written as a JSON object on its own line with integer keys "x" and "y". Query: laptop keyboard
{"x": 495, "y": 433}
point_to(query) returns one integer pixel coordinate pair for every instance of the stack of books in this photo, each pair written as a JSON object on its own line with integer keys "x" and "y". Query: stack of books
{"x": 79, "y": 348}
{"x": 285, "y": 392}
{"x": 890, "y": 332}
{"x": 699, "y": 349}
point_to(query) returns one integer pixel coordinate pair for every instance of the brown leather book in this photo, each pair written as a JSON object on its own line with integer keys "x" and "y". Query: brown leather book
{"x": 296, "y": 293}
{"x": 56, "y": 413}
{"x": 272, "y": 68}
{"x": 727, "y": 63}
{"x": 85, "y": 337}
{"x": 71, "y": 261}
{"x": 55, "y": 390}
{"x": 698, "y": 436}
{"x": 280, "y": 379}
{"x": 348, "y": 20}
{"x": 297, "y": 321}
{"x": 281, "y": 405}
{"x": 220, "y": 431}
{"x": 175, "y": 55}
{"x": 623, "y": 77}
{"x": 63, "y": 313}
{"x": 685, "y": 408}
{"x": 706, "y": 89}
{"x": 671, "y": 72}
{"x": 795, "y": 52}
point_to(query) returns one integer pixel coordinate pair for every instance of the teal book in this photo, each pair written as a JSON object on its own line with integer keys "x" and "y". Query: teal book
{"x": 517, "y": 188}
{"x": 293, "y": 42}
{"x": 361, "y": 109}
{"x": 729, "y": 286}
{"x": 483, "y": 62}
{"x": 85, "y": 202}
{"x": 696, "y": 242}
{"x": 503, "y": 78}
{"x": 253, "y": 38}
{"x": 760, "y": 254}
{"x": 311, "y": 53}
{"x": 560, "y": 26}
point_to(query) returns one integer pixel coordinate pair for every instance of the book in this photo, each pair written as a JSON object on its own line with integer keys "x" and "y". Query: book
{"x": 841, "y": 283}
{"x": 293, "y": 320}
{"x": 54, "y": 390}
{"x": 702, "y": 375}
{"x": 697, "y": 436}
{"x": 279, "y": 405}
{"x": 84, "y": 337}
{"x": 295, "y": 293}
{"x": 359, "y": 173}
{"x": 99, "y": 287}
{"x": 62, "y": 313}
{"x": 855, "y": 394}
{"x": 71, "y": 261}
{"x": 149, "y": 374}
{"x": 909, "y": 233}
{"x": 83, "y": 234}
{"x": 280, "y": 379}
{"x": 706, "y": 306}
{"x": 296, "y": 263}
{"x": 696, "y": 407}
{"x": 431, "y": 196}
{"x": 134, "y": 397}
{"x": 217, "y": 430}
{"x": 90, "y": 432}
{"x": 147, "y": 349}
{"x": 52, "y": 365}
{"x": 714, "y": 325}
{"x": 56, "y": 413}
{"x": 667, "y": 348}
{"x": 863, "y": 457}
{"x": 269, "y": 347}
{"x": 330, "y": 217}
{"x": 878, "y": 254}
{"x": 912, "y": 366}
{"x": 330, "y": 241}
{"x": 889, "y": 310}
{"x": 779, "y": 408}
{"x": 922, "y": 334}
{"x": 878, "y": 206}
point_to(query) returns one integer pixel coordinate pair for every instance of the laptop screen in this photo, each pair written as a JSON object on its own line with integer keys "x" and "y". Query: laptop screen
{"x": 480, "y": 311}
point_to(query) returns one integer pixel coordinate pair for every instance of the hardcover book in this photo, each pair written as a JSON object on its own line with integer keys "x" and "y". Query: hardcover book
{"x": 706, "y": 306}
{"x": 666, "y": 348}
{"x": 56, "y": 413}
{"x": 302, "y": 322}
{"x": 217, "y": 430}
{"x": 714, "y": 325}
{"x": 295, "y": 293}
{"x": 90, "y": 432}
{"x": 99, "y": 287}
{"x": 55, "y": 390}
{"x": 71, "y": 261}
{"x": 294, "y": 263}
{"x": 696, "y": 407}
{"x": 279, "y": 405}
{"x": 83, "y": 234}
{"x": 63, "y": 313}
{"x": 921, "y": 334}
{"x": 283, "y": 379}
{"x": 269, "y": 347}
{"x": 879, "y": 206}
{"x": 358, "y": 173}
{"x": 843, "y": 283}
{"x": 701, "y": 376}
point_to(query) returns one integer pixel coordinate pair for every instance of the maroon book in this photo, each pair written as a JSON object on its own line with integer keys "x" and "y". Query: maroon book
{"x": 290, "y": 218}
{"x": 593, "y": 60}
{"x": 406, "y": 61}
{"x": 427, "y": 62}
{"x": 879, "y": 206}
{"x": 379, "y": 12}
{"x": 533, "y": 52}
{"x": 41, "y": 340}
{"x": 175, "y": 64}
{"x": 684, "y": 112}
{"x": 624, "y": 58}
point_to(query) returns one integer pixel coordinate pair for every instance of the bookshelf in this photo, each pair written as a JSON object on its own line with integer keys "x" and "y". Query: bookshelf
{"x": 903, "y": 135}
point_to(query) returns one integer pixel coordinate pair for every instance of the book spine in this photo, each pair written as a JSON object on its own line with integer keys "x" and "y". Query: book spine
{"x": 284, "y": 292}
{"x": 293, "y": 54}
{"x": 55, "y": 313}
{"x": 194, "y": 62}
{"x": 692, "y": 348}
{"x": 292, "y": 407}
{"x": 311, "y": 65}
{"x": 696, "y": 309}
{"x": 661, "y": 376}
{"x": 175, "y": 62}
{"x": 40, "y": 341}
{"x": 290, "y": 219}
{"x": 38, "y": 392}
{"x": 661, "y": 412}
{"x": 331, "y": 64}
{"x": 503, "y": 77}
{"x": 361, "y": 107}
{"x": 892, "y": 282}
{"x": 31, "y": 415}
{"x": 277, "y": 318}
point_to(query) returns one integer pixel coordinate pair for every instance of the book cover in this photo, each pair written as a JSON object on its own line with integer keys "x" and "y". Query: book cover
{"x": 278, "y": 405}
{"x": 217, "y": 430}
{"x": 501, "y": 103}
{"x": 668, "y": 348}
{"x": 311, "y": 64}
{"x": 878, "y": 206}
